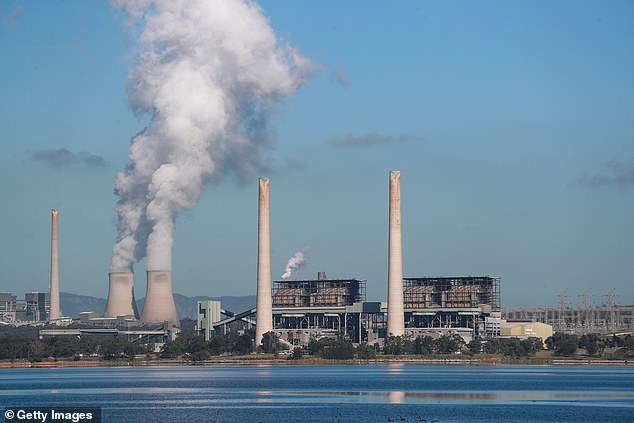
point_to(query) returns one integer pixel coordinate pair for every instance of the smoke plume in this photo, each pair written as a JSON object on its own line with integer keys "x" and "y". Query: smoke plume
{"x": 296, "y": 262}
{"x": 208, "y": 72}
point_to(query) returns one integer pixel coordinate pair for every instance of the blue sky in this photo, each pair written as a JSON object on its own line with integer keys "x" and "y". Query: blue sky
{"x": 512, "y": 124}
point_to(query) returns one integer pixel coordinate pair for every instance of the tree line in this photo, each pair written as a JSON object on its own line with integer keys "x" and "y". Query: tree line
{"x": 594, "y": 345}
{"x": 34, "y": 349}
{"x": 24, "y": 344}
{"x": 340, "y": 349}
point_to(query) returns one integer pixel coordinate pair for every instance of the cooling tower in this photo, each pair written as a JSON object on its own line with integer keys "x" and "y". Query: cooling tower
{"x": 55, "y": 312}
{"x": 264, "y": 317}
{"x": 121, "y": 295}
{"x": 159, "y": 302}
{"x": 395, "y": 317}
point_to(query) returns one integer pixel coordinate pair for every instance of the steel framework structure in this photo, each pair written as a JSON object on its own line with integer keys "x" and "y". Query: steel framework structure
{"x": 451, "y": 292}
{"x": 318, "y": 293}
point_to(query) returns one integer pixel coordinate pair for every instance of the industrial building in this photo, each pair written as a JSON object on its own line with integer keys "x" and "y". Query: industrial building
{"x": 322, "y": 307}
{"x": 445, "y": 303}
{"x": 208, "y": 315}
{"x": 209, "y": 319}
{"x": 34, "y": 308}
{"x": 525, "y": 329}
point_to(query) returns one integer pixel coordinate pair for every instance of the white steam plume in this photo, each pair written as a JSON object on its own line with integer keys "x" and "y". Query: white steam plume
{"x": 296, "y": 262}
{"x": 208, "y": 71}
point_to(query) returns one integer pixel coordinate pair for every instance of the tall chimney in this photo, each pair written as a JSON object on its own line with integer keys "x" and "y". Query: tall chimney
{"x": 121, "y": 295}
{"x": 395, "y": 316}
{"x": 55, "y": 312}
{"x": 264, "y": 317}
{"x": 159, "y": 302}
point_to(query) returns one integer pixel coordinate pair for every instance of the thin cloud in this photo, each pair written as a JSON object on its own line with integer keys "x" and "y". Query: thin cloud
{"x": 341, "y": 76}
{"x": 293, "y": 164}
{"x": 12, "y": 18}
{"x": 613, "y": 174}
{"x": 350, "y": 140}
{"x": 61, "y": 157}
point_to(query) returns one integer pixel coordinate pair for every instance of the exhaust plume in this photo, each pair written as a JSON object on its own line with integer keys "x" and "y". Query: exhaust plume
{"x": 208, "y": 72}
{"x": 299, "y": 259}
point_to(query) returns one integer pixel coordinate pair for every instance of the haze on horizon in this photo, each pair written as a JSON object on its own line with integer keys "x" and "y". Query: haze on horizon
{"x": 511, "y": 124}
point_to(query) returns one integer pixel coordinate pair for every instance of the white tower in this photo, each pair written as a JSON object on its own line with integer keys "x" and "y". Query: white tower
{"x": 264, "y": 317}
{"x": 55, "y": 312}
{"x": 395, "y": 313}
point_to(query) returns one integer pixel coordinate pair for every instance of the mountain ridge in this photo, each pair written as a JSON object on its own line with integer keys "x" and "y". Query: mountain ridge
{"x": 73, "y": 304}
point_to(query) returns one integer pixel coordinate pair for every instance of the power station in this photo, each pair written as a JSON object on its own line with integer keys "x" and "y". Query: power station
{"x": 300, "y": 310}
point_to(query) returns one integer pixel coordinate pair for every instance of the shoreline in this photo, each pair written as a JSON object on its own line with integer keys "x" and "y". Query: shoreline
{"x": 271, "y": 360}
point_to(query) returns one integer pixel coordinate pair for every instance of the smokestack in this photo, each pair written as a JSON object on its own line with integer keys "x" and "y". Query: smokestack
{"x": 395, "y": 317}
{"x": 159, "y": 302}
{"x": 264, "y": 317}
{"x": 121, "y": 295}
{"x": 55, "y": 312}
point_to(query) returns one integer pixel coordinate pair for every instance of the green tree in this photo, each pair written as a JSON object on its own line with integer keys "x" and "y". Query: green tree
{"x": 474, "y": 346}
{"x": 531, "y": 345}
{"x": 336, "y": 349}
{"x": 298, "y": 354}
{"x": 423, "y": 345}
{"x": 270, "y": 343}
{"x": 243, "y": 345}
{"x": 563, "y": 344}
{"x": 195, "y": 348}
{"x": 628, "y": 343}
{"x": 513, "y": 346}
{"x": 331, "y": 348}
{"x": 366, "y": 352}
{"x": 313, "y": 346}
{"x": 449, "y": 344}
{"x": 398, "y": 345}
{"x": 61, "y": 346}
{"x": 593, "y": 344}
{"x": 172, "y": 349}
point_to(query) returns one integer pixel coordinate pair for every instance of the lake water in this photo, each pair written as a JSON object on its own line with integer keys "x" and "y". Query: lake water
{"x": 337, "y": 393}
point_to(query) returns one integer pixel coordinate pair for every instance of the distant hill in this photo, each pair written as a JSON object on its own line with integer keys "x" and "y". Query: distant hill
{"x": 73, "y": 304}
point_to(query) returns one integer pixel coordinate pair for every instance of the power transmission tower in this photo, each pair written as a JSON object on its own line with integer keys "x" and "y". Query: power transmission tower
{"x": 586, "y": 322}
{"x": 612, "y": 318}
{"x": 561, "y": 318}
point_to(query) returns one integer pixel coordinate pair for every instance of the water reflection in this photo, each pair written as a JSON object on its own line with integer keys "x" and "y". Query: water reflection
{"x": 395, "y": 368}
{"x": 396, "y": 397}
{"x": 263, "y": 370}
{"x": 400, "y": 397}
{"x": 264, "y": 396}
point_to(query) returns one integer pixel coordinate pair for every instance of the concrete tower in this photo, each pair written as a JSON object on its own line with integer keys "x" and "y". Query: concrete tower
{"x": 264, "y": 318}
{"x": 121, "y": 295}
{"x": 159, "y": 302}
{"x": 395, "y": 313}
{"x": 55, "y": 312}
